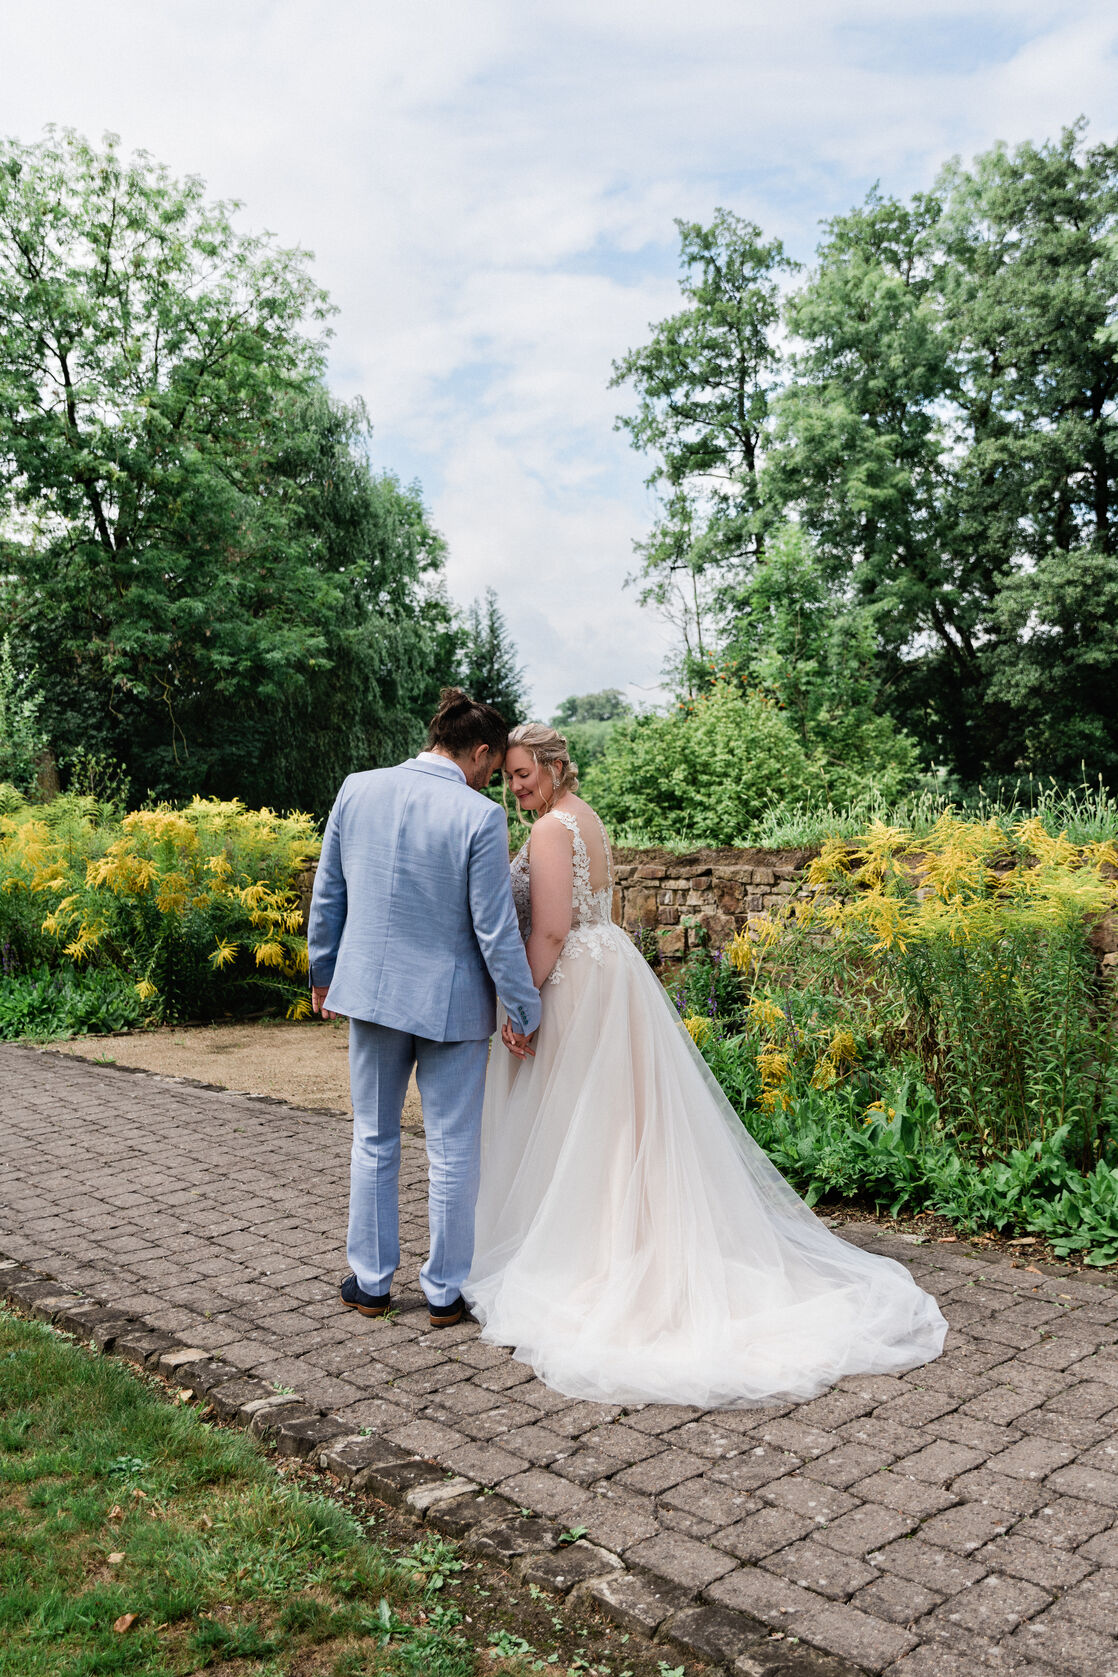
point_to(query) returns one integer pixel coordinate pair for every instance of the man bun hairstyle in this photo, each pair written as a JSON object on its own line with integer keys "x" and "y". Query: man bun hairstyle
{"x": 461, "y": 723}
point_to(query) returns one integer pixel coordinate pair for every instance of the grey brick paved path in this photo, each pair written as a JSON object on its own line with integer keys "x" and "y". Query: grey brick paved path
{"x": 960, "y": 1520}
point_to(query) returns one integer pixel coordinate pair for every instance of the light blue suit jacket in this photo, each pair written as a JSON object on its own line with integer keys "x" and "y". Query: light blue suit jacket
{"x": 412, "y": 923}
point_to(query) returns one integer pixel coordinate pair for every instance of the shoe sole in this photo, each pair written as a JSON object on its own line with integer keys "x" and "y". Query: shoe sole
{"x": 367, "y": 1309}
{"x": 447, "y": 1321}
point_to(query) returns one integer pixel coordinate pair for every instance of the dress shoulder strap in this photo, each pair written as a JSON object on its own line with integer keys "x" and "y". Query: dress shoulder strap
{"x": 569, "y": 821}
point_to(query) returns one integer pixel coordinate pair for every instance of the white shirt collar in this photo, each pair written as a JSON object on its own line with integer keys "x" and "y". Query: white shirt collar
{"x": 437, "y": 757}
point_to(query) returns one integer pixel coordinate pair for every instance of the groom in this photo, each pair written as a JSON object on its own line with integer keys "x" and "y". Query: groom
{"x": 412, "y": 933}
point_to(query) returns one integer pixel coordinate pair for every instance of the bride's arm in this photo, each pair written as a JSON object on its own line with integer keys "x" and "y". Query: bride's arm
{"x": 552, "y": 878}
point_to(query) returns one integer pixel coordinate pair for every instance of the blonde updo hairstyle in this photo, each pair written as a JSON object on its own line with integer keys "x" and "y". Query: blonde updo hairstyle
{"x": 548, "y": 750}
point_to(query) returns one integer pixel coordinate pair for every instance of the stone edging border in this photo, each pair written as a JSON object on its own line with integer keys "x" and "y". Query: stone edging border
{"x": 489, "y": 1525}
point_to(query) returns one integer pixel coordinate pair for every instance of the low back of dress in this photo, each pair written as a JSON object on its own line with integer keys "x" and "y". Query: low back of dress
{"x": 592, "y": 864}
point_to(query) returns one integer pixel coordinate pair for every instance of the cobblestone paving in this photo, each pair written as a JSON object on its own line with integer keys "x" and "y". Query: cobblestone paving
{"x": 961, "y": 1519}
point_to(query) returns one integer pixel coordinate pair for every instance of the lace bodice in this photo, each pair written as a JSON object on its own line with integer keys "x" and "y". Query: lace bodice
{"x": 591, "y": 911}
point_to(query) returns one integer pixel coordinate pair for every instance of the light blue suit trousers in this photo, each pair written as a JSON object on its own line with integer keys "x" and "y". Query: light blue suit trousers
{"x": 451, "y": 1078}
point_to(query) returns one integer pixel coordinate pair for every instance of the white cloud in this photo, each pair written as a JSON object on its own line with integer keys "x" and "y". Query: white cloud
{"x": 489, "y": 189}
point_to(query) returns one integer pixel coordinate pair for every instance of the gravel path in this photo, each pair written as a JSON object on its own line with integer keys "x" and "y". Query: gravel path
{"x": 959, "y": 1520}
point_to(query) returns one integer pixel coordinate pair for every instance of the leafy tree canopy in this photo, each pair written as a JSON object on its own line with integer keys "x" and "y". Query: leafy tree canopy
{"x": 939, "y": 420}
{"x": 606, "y": 706}
{"x": 214, "y": 586}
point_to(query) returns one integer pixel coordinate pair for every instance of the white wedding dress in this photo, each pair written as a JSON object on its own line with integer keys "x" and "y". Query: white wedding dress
{"x": 634, "y": 1244}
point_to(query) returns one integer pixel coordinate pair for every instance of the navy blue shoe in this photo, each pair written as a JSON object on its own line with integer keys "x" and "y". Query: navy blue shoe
{"x": 368, "y": 1304}
{"x": 446, "y": 1315}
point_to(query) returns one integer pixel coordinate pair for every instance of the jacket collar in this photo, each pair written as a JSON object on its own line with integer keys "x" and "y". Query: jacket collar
{"x": 440, "y": 766}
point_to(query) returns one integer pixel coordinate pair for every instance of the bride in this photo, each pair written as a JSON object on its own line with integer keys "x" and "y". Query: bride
{"x": 634, "y": 1244}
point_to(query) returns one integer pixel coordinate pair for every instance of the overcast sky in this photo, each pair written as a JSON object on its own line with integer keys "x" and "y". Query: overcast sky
{"x": 489, "y": 188}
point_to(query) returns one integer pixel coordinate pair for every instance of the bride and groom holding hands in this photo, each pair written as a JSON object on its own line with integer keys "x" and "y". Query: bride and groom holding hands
{"x": 594, "y": 1200}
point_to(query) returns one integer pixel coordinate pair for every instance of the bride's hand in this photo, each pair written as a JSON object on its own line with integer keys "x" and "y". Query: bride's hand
{"x": 517, "y": 1045}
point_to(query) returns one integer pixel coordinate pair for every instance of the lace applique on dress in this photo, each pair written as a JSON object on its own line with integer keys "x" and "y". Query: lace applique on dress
{"x": 591, "y": 922}
{"x": 522, "y": 890}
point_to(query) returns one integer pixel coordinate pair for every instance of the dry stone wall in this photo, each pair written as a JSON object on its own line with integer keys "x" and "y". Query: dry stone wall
{"x": 715, "y": 892}
{"x": 704, "y": 891}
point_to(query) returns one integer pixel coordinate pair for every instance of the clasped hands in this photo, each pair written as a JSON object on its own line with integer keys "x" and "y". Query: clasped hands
{"x": 518, "y": 1043}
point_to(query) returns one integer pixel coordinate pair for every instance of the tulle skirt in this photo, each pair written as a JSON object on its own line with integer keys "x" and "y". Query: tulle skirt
{"x": 633, "y": 1242}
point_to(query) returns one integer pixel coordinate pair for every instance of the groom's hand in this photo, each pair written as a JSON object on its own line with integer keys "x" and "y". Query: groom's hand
{"x": 517, "y": 1043}
{"x": 318, "y": 1000}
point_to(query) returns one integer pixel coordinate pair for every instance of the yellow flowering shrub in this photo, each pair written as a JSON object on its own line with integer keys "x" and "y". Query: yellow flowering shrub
{"x": 968, "y": 950}
{"x": 199, "y": 906}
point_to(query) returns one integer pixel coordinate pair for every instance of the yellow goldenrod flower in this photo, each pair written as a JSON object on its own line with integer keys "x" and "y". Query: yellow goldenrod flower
{"x": 224, "y": 953}
{"x": 698, "y": 1028}
{"x": 765, "y": 1012}
{"x": 739, "y": 951}
{"x": 300, "y": 1008}
{"x": 146, "y": 990}
{"x": 270, "y": 954}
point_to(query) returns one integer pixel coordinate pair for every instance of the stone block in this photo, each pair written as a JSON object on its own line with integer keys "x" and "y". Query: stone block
{"x": 230, "y": 1397}
{"x": 868, "y": 1527}
{"x": 143, "y": 1347}
{"x": 524, "y": 1536}
{"x": 303, "y": 1437}
{"x": 1087, "y": 1483}
{"x": 424, "y": 1498}
{"x": 570, "y": 1567}
{"x": 465, "y": 1513}
{"x": 808, "y": 1497}
{"x": 201, "y": 1378}
{"x": 895, "y": 1599}
{"x": 636, "y": 1604}
{"x": 109, "y": 1326}
{"x": 843, "y": 1630}
{"x": 392, "y": 1481}
{"x": 346, "y": 1457}
{"x": 967, "y": 1527}
{"x": 169, "y": 1362}
{"x": 682, "y": 1560}
{"x": 49, "y": 1306}
{"x": 715, "y": 1634}
{"x": 814, "y": 1566}
{"x": 269, "y": 1414}
{"x": 1052, "y": 1569}
{"x": 995, "y": 1605}
{"x": 79, "y": 1317}
{"x": 1061, "y": 1646}
{"x": 23, "y": 1289}
{"x": 940, "y": 1570}
{"x": 1066, "y": 1522}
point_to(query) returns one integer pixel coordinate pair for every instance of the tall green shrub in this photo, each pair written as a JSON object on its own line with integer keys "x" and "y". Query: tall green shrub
{"x": 704, "y": 773}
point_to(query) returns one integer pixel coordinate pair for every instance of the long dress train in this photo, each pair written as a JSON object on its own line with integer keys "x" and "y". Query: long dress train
{"x": 634, "y": 1244}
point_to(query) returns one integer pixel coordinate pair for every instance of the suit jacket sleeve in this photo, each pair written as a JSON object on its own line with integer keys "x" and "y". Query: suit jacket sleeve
{"x": 494, "y": 917}
{"x": 328, "y": 903}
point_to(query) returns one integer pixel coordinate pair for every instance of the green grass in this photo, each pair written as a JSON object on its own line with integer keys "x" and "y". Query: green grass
{"x": 114, "y": 1502}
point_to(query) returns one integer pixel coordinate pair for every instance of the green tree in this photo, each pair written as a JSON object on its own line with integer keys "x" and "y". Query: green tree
{"x": 22, "y": 740}
{"x": 488, "y": 668}
{"x": 705, "y": 772}
{"x": 704, "y": 383}
{"x": 607, "y": 706}
{"x": 216, "y": 589}
{"x": 950, "y": 427}
{"x": 588, "y": 720}
{"x": 795, "y": 638}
